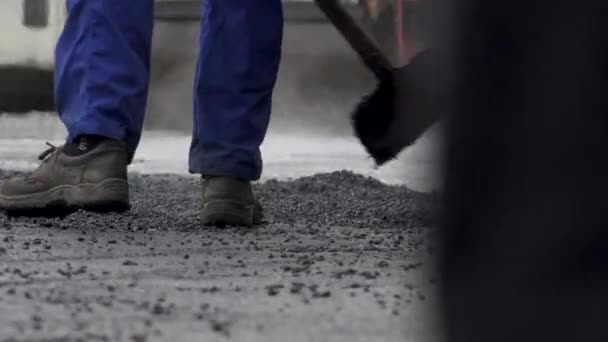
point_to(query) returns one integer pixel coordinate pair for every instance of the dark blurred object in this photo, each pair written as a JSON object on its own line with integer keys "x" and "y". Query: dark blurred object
{"x": 526, "y": 243}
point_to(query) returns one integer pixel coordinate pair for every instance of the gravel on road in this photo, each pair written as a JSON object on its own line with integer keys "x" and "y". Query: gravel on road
{"x": 340, "y": 257}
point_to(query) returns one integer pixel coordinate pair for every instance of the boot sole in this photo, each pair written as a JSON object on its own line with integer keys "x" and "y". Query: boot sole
{"x": 221, "y": 214}
{"x": 109, "y": 195}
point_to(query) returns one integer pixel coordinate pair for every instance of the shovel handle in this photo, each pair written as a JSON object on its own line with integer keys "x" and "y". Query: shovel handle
{"x": 364, "y": 46}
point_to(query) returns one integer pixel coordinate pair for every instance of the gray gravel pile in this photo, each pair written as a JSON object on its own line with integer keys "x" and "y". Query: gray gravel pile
{"x": 341, "y": 256}
{"x": 170, "y": 202}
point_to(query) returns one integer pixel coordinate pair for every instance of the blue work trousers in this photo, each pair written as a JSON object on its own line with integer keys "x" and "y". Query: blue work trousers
{"x": 103, "y": 72}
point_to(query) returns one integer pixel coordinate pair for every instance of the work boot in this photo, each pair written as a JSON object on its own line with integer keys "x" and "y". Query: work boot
{"x": 74, "y": 176}
{"x": 228, "y": 201}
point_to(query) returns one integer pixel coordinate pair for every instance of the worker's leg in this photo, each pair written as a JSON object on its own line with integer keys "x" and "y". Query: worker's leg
{"x": 102, "y": 68}
{"x": 239, "y": 57}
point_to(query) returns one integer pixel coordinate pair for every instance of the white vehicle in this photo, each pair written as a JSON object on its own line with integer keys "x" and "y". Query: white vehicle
{"x": 28, "y": 32}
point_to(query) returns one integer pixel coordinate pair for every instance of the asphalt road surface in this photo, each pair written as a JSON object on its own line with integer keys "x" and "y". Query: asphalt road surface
{"x": 341, "y": 257}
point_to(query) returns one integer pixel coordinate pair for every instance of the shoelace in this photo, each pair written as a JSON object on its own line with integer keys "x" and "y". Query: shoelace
{"x": 52, "y": 148}
{"x": 43, "y": 157}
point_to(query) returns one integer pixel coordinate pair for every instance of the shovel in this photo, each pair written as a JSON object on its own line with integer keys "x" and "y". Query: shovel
{"x": 400, "y": 108}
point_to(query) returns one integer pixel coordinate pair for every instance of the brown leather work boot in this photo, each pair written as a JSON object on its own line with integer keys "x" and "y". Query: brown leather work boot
{"x": 229, "y": 202}
{"x": 93, "y": 180}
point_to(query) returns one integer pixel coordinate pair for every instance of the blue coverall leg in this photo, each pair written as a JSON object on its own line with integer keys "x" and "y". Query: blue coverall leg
{"x": 103, "y": 70}
{"x": 240, "y": 49}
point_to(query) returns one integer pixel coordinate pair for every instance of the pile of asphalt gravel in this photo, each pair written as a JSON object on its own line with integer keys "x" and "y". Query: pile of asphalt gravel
{"x": 342, "y": 198}
{"x": 332, "y": 244}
